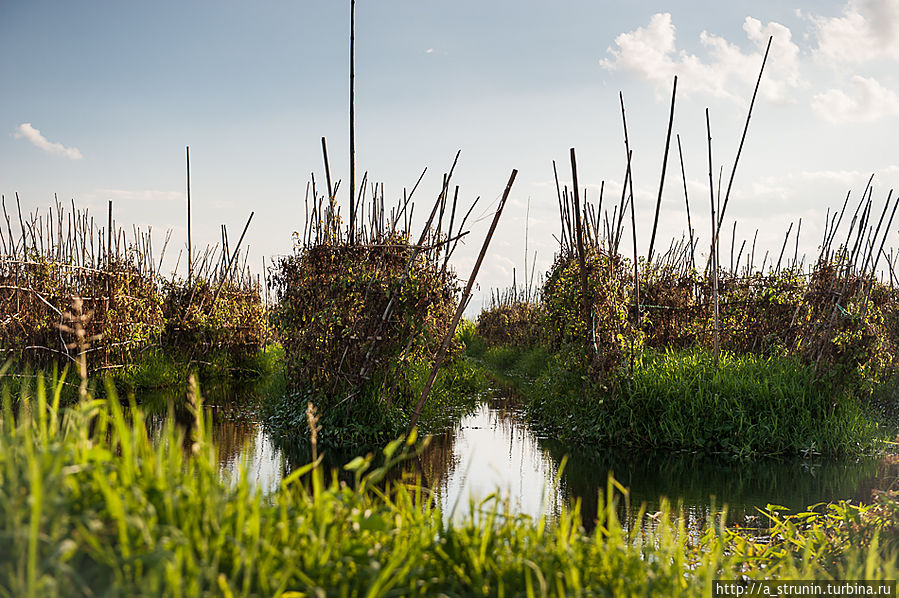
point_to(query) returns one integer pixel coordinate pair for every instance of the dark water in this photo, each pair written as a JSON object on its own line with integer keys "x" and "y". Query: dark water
{"x": 492, "y": 451}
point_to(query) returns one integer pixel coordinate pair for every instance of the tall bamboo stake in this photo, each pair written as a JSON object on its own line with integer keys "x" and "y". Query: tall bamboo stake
{"x": 352, "y": 119}
{"x": 655, "y": 222}
{"x": 578, "y": 231}
{"x": 190, "y": 270}
{"x": 636, "y": 268}
{"x": 714, "y": 259}
{"x": 327, "y": 168}
{"x": 743, "y": 138}
{"x": 687, "y": 201}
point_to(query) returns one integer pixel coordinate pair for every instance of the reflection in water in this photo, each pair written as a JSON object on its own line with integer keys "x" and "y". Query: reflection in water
{"x": 245, "y": 447}
{"x": 241, "y": 443}
{"x": 702, "y": 484}
{"x": 493, "y": 450}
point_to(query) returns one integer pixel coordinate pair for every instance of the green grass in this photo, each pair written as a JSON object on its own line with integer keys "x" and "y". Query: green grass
{"x": 513, "y": 367}
{"x": 747, "y": 405}
{"x": 366, "y": 421}
{"x": 154, "y": 372}
{"x": 89, "y": 505}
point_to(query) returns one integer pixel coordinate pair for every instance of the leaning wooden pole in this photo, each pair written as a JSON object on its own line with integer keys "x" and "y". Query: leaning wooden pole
{"x": 687, "y": 201}
{"x": 655, "y": 222}
{"x": 630, "y": 155}
{"x": 327, "y": 168}
{"x": 441, "y": 354}
{"x": 231, "y": 262}
{"x": 733, "y": 172}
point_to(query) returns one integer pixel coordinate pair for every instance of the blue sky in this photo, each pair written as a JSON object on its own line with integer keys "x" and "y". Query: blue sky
{"x": 100, "y": 98}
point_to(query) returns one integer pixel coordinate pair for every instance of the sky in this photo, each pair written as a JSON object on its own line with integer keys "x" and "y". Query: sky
{"x": 100, "y": 98}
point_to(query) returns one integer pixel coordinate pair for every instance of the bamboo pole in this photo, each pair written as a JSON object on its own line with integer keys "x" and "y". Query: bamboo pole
{"x": 327, "y": 168}
{"x": 714, "y": 257}
{"x": 352, "y": 118}
{"x": 578, "y": 230}
{"x": 733, "y": 172}
{"x": 231, "y": 262}
{"x": 636, "y": 268}
{"x": 655, "y": 222}
{"x": 687, "y": 201}
{"x": 190, "y": 270}
{"x": 441, "y": 354}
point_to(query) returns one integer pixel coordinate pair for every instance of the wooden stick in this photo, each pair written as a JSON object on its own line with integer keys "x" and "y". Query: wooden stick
{"x": 352, "y": 118}
{"x": 636, "y": 270}
{"x": 231, "y": 261}
{"x": 190, "y": 270}
{"x": 561, "y": 208}
{"x": 655, "y": 222}
{"x": 714, "y": 257}
{"x": 109, "y": 237}
{"x": 687, "y": 201}
{"x": 733, "y": 172}
{"x": 784, "y": 246}
{"x": 447, "y": 339}
{"x": 585, "y": 299}
{"x": 327, "y": 168}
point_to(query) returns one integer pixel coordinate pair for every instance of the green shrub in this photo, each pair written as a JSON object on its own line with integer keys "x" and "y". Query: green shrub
{"x": 517, "y": 323}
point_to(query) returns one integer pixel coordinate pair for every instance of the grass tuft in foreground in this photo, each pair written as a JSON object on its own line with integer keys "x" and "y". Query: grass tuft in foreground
{"x": 90, "y": 505}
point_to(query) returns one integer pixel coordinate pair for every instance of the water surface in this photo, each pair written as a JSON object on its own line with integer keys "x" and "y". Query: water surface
{"x": 492, "y": 450}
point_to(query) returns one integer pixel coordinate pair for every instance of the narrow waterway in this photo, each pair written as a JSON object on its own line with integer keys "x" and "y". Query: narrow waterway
{"x": 492, "y": 450}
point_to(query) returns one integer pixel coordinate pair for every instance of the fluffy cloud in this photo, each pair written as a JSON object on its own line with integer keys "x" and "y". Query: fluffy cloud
{"x": 866, "y": 30}
{"x": 650, "y": 53}
{"x": 26, "y": 131}
{"x": 866, "y": 101}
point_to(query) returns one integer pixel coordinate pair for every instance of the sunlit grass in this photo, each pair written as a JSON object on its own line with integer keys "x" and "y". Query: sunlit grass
{"x": 745, "y": 405}
{"x": 89, "y": 505}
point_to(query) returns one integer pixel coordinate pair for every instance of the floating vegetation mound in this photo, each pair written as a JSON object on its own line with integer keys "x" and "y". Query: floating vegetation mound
{"x": 512, "y": 318}
{"x": 830, "y": 315}
{"x": 354, "y": 315}
{"x": 126, "y": 306}
{"x": 202, "y": 318}
{"x": 363, "y": 312}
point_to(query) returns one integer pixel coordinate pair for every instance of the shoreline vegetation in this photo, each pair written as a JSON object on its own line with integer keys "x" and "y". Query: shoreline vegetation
{"x": 656, "y": 352}
{"x": 90, "y": 505}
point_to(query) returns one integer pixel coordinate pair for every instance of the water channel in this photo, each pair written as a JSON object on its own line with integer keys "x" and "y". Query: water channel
{"x": 493, "y": 450}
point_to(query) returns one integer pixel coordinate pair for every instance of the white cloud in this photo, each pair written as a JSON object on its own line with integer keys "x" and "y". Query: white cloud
{"x": 866, "y": 101}
{"x": 867, "y": 30}
{"x": 651, "y": 54}
{"x": 25, "y": 130}
{"x": 827, "y": 186}
{"x": 429, "y": 51}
